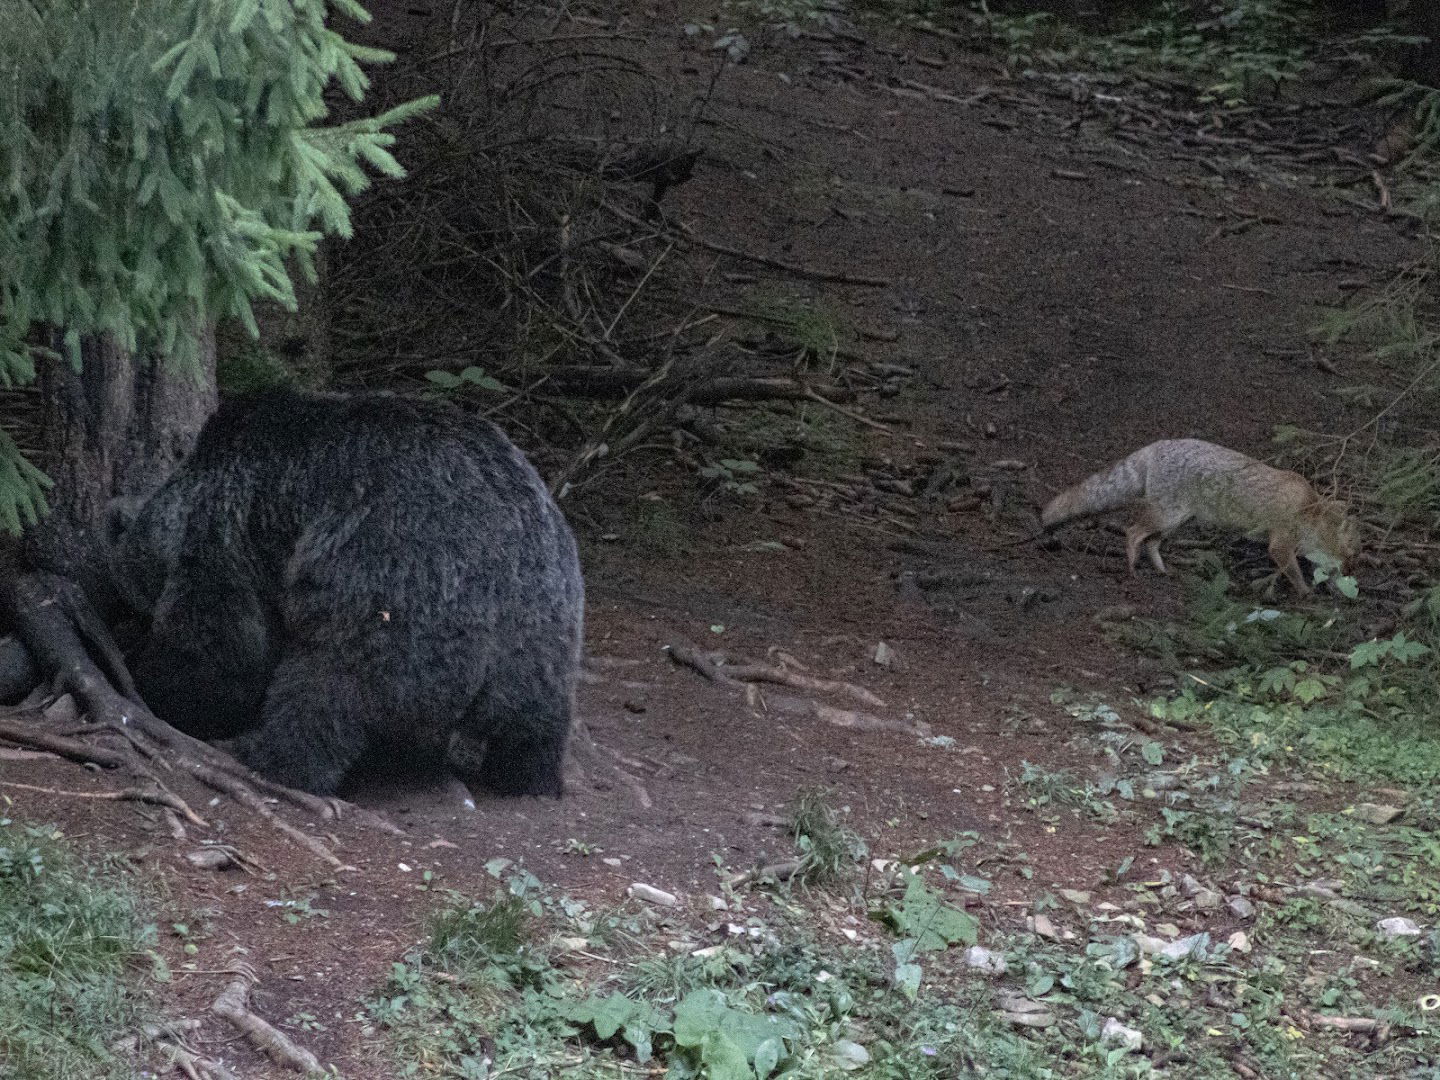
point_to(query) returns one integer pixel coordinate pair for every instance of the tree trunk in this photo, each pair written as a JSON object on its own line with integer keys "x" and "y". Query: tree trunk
{"x": 292, "y": 344}
{"x": 119, "y": 426}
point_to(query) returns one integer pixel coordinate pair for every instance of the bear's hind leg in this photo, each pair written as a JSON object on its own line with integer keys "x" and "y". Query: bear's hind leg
{"x": 524, "y": 736}
{"x": 315, "y": 726}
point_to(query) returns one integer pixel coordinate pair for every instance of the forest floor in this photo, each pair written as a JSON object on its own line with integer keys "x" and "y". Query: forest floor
{"x": 1066, "y": 281}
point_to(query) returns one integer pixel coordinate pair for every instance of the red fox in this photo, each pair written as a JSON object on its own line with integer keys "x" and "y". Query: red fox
{"x": 1175, "y": 480}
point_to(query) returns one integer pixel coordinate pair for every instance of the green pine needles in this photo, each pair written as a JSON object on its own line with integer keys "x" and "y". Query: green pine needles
{"x": 160, "y": 160}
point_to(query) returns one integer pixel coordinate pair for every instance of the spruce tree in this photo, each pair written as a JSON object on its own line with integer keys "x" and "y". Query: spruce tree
{"x": 162, "y": 160}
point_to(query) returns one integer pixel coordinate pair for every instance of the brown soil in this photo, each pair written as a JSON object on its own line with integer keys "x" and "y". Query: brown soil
{"x": 1063, "y": 295}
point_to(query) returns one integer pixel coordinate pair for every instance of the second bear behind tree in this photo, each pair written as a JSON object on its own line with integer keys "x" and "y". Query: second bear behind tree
{"x": 333, "y": 576}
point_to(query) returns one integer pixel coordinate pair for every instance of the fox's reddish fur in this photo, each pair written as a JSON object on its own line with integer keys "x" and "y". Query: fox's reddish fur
{"x": 1175, "y": 480}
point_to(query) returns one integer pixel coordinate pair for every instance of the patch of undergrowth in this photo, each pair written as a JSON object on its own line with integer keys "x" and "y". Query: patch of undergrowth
{"x": 531, "y": 984}
{"x": 1306, "y": 690}
{"x": 75, "y": 955}
{"x": 1230, "y": 51}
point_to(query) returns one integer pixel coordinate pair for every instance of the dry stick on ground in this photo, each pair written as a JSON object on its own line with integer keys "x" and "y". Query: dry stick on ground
{"x": 763, "y": 260}
{"x": 233, "y": 1005}
{"x": 779, "y": 871}
{"x": 873, "y": 424}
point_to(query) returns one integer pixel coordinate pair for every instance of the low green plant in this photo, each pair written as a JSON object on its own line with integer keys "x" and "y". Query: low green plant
{"x": 76, "y": 954}
{"x": 828, "y": 850}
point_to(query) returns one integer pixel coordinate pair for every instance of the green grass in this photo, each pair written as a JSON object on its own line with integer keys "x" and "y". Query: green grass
{"x": 75, "y": 943}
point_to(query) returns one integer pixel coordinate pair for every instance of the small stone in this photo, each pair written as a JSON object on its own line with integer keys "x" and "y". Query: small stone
{"x": 850, "y": 1055}
{"x": 441, "y": 844}
{"x": 1023, "y": 1012}
{"x": 718, "y": 903}
{"x": 1114, "y": 1033}
{"x": 1042, "y": 925}
{"x": 616, "y": 863}
{"x": 884, "y": 655}
{"x": 651, "y": 895}
{"x": 1185, "y": 946}
{"x": 210, "y": 859}
{"x": 708, "y": 951}
{"x": 1239, "y": 941}
{"x": 1172, "y": 950}
{"x": 572, "y": 944}
{"x": 1398, "y": 927}
{"x": 1208, "y": 900}
{"x": 1240, "y": 907}
{"x": 983, "y": 959}
{"x": 1079, "y": 897}
{"x": 1190, "y": 885}
{"x": 1377, "y": 813}
{"x": 1150, "y": 946}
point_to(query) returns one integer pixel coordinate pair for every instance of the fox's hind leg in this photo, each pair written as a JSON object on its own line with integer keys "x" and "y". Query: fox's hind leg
{"x": 1151, "y": 526}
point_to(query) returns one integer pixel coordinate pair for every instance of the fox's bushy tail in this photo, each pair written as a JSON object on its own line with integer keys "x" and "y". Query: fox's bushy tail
{"x": 1108, "y": 489}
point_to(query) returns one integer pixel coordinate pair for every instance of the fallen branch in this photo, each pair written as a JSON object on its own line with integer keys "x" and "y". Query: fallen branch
{"x": 735, "y": 675}
{"x": 233, "y": 1005}
{"x": 1348, "y": 1023}
{"x": 691, "y": 657}
{"x": 607, "y": 382}
{"x": 763, "y": 260}
{"x": 875, "y": 425}
{"x": 744, "y": 677}
{"x": 786, "y": 677}
{"x": 777, "y": 871}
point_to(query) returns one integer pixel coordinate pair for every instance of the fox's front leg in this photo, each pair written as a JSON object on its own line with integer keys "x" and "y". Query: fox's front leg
{"x": 1283, "y": 548}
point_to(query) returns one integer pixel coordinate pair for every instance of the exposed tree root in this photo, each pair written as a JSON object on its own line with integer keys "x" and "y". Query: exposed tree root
{"x": 845, "y": 718}
{"x": 587, "y": 758}
{"x": 743, "y": 677}
{"x": 170, "y": 1040}
{"x": 154, "y": 796}
{"x": 233, "y": 1005}
{"x": 731, "y": 674}
{"x": 71, "y": 749}
{"x": 62, "y": 632}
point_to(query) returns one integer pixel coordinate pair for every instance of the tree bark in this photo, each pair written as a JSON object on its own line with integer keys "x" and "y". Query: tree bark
{"x": 117, "y": 427}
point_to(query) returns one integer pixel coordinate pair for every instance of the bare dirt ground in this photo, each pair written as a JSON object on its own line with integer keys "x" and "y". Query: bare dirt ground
{"x": 1064, "y": 288}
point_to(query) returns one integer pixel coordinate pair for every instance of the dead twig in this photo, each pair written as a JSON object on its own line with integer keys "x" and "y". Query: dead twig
{"x": 776, "y": 871}
{"x": 797, "y": 269}
{"x": 872, "y": 424}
